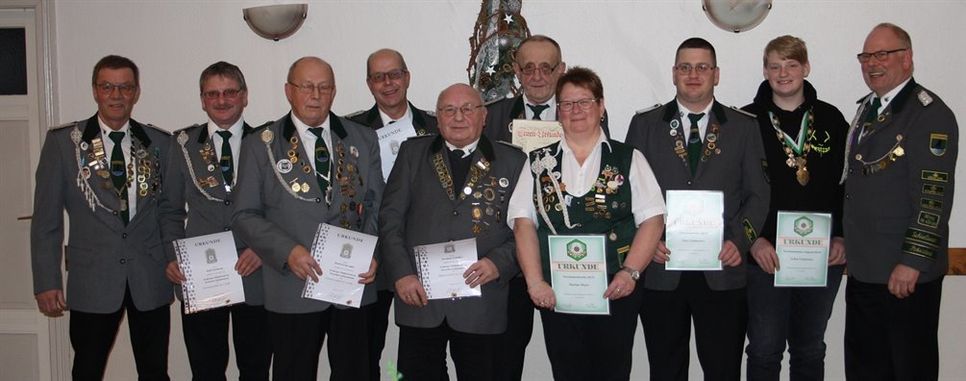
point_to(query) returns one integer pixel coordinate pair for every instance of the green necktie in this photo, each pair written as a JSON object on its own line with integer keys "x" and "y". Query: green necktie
{"x": 873, "y": 110}
{"x": 227, "y": 161}
{"x": 321, "y": 159}
{"x": 694, "y": 142}
{"x": 119, "y": 173}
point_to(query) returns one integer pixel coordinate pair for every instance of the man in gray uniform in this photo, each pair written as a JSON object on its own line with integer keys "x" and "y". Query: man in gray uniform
{"x": 309, "y": 167}
{"x": 106, "y": 173}
{"x": 696, "y": 143}
{"x": 447, "y": 188}
{"x": 198, "y": 185}
{"x": 388, "y": 79}
{"x": 899, "y": 177}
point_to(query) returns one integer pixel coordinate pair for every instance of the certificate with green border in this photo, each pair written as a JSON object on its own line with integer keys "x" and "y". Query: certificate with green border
{"x": 694, "y": 230}
{"x": 578, "y": 274}
{"x": 802, "y": 244}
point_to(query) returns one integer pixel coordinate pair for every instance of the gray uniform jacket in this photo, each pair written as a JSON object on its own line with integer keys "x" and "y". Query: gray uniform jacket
{"x": 899, "y": 187}
{"x": 501, "y": 113}
{"x": 731, "y": 162}
{"x": 272, "y": 217}
{"x": 418, "y": 209}
{"x": 193, "y": 179}
{"x": 104, "y": 256}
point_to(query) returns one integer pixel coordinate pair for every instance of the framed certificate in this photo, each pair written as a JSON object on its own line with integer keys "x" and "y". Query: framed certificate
{"x": 578, "y": 274}
{"x": 441, "y": 267}
{"x": 694, "y": 229}
{"x": 342, "y": 254}
{"x": 208, "y": 265}
{"x": 802, "y": 244}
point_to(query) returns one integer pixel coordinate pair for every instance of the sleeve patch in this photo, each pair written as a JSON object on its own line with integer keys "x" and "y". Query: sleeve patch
{"x": 918, "y": 250}
{"x": 928, "y": 203}
{"x": 933, "y": 190}
{"x": 928, "y": 219}
{"x": 923, "y": 238}
{"x": 938, "y": 143}
{"x": 750, "y": 232}
{"x": 937, "y": 176}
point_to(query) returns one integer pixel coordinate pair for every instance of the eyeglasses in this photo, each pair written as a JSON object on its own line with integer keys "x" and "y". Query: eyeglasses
{"x": 226, "y": 93}
{"x": 531, "y": 69}
{"x": 568, "y": 106}
{"x": 450, "y": 111}
{"x": 107, "y": 88}
{"x": 879, "y": 56}
{"x": 686, "y": 68}
{"x": 393, "y": 75}
{"x": 308, "y": 88}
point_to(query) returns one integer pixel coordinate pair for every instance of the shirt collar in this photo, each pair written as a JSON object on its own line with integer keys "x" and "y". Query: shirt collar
{"x": 386, "y": 118}
{"x": 235, "y": 129}
{"x": 303, "y": 128}
{"x": 601, "y": 140}
{"x": 467, "y": 149}
{"x": 685, "y": 111}
{"x": 550, "y": 112}
{"x": 891, "y": 94}
{"x": 105, "y": 130}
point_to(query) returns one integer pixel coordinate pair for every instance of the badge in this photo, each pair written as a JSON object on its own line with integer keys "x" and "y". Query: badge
{"x": 141, "y": 154}
{"x": 296, "y": 187}
{"x": 858, "y": 156}
{"x": 467, "y": 191}
{"x": 612, "y": 236}
{"x": 354, "y": 151}
{"x": 924, "y": 98}
{"x": 504, "y": 182}
{"x": 488, "y": 194}
{"x": 942, "y": 177}
{"x": 84, "y": 146}
{"x": 284, "y": 166}
{"x": 267, "y": 136}
{"x": 674, "y": 132}
{"x": 899, "y": 151}
{"x": 86, "y": 173}
{"x": 306, "y": 168}
{"x": 938, "y": 143}
{"x": 305, "y": 187}
{"x": 477, "y": 213}
{"x": 211, "y": 167}
{"x": 674, "y": 124}
{"x": 211, "y": 182}
{"x": 103, "y": 173}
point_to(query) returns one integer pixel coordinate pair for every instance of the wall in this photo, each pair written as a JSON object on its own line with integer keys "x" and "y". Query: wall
{"x": 629, "y": 43}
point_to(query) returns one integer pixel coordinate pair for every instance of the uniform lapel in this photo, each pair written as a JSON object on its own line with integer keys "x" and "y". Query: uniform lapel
{"x": 677, "y": 134}
{"x": 884, "y": 120}
{"x": 479, "y": 168}
{"x": 440, "y": 164}
{"x": 144, "y": 155}
{"x": 99, "y": 182}
{"x": 712, "y": 136}
{"x": 292, "y": 150}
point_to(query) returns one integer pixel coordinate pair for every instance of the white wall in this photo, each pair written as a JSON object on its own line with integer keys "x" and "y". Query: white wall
{"x": 630, "y": 44}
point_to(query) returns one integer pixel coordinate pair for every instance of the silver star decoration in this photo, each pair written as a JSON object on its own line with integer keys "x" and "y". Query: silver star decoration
{"x": 490, "y": 70}
{"x": 508, "y": 18}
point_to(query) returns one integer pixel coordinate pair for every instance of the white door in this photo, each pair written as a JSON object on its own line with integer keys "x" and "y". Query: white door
{"x": 32, "y": 347}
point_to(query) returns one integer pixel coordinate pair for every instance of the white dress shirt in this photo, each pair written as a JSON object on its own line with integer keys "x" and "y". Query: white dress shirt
{"x": 132, "y": 189}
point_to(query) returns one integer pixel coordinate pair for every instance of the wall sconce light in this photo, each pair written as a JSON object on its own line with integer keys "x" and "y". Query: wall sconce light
{"x": 276, "y": 22}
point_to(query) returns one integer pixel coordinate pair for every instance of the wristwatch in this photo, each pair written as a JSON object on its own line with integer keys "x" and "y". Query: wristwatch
{"x": 635, "y": 274}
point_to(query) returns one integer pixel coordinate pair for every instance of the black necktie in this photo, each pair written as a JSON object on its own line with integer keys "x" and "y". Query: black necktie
{"x": 119, "y": 173}
{"x": 537, "y": 109}
{"x": 694, "y": 142}
{"x": 460, "y": 167}
{"x": 227, "y": 161}
{"x": 321, "y": 159}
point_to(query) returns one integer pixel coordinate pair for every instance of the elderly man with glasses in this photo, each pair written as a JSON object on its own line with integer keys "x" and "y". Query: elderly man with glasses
{"x": 899, "y": 179}
{"x": 451, "y": 187}
{"x": 307, "y": 168}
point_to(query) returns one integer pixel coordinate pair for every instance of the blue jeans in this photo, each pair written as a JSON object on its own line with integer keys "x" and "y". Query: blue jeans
{"x": 798, "y": 316}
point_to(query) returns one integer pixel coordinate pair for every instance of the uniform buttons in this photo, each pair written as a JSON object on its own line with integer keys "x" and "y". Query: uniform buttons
{"x": 456, "y": 213}
{"x": 115, "y": 212}
{"x": 123, "y": 261}
{"x": 227, "y": 228}
{"x": 227, "y": 202}
{"x": 124, "y": 235}
{"x": 851, "y": 170}
{"x": 318, "y": 200}
{"x": 848, "y": 196}
{"x": 689, "y": 182}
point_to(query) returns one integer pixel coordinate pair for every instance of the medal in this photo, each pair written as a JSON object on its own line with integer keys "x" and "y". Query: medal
{"x": 296, "y": 187}
{"x": 504, "y": 182}
{"x": 284, "y": 166}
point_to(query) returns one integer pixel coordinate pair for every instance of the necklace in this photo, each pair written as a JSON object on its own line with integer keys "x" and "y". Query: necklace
{"x": 796, "y": 149}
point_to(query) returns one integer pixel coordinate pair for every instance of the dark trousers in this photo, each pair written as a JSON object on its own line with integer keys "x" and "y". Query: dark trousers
{"x": 796, "y": 315}
{"x": 719, "y": 329}
{"x": 421, "y": 350}
{"x": 92, "y": 337}
{"x": 887, "y": 338}
{"x": 206, "y": 339}
{"x": 513, "y": 343}
{"x": 297, "y": 341}
{"x": 593, "y": 347}
{"x": 378, "y": 325}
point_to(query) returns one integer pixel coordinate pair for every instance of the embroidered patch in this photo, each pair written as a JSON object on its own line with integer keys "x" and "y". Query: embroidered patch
{"x": 942, "y": 177}
{"x": 750, "y": 232}
{"x": 938, "y": 143}
{"x": 923, "y": 237}
{"x": 928, "y": 203}
{"x": 918, "y": 250}
{"x": 928, "y": 219}
{"x": 933, "y": 190}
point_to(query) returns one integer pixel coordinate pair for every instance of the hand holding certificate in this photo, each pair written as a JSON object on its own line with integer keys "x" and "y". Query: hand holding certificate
{"x": 343, "y": 254}
{"x": 578, "y": 274}
{"x": 802, "y": 244}
{"x": 695, "y": 229}
{"x": 208, "y": 265}
{"x": 441, "y": 267}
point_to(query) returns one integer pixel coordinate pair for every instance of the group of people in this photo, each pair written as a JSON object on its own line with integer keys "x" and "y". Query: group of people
{"x": 131, "y": 189}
